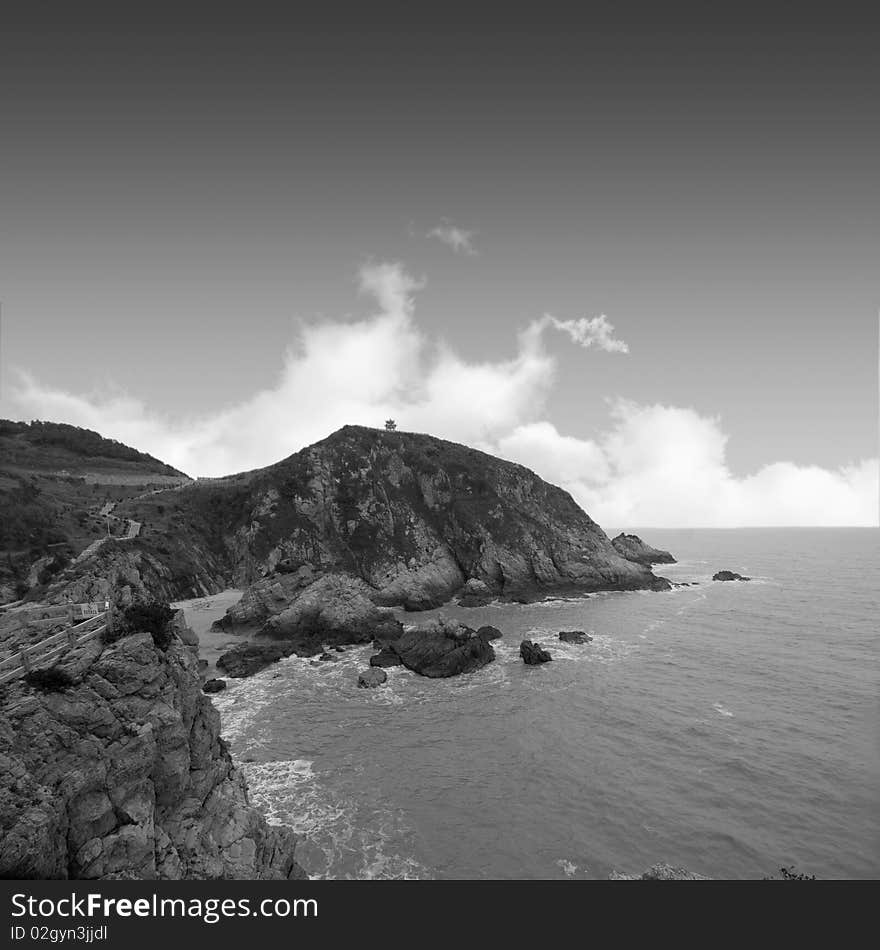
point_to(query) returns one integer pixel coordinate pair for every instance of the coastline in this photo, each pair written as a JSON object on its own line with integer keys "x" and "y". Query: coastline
{"x": 200, "y": 614}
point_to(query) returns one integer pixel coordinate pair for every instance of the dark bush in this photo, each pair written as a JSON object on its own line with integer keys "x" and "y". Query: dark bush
{"x": 791, "y": 874}
{"x": 50, "y": 680}
{"x": 142, "y": 618}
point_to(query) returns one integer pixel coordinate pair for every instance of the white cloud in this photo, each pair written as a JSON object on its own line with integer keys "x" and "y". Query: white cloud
{"x": 460, "y": 240}
{"x": 665, "y": 466}
{"x": 586, "y": 332}
{"x": 653, "y": 465}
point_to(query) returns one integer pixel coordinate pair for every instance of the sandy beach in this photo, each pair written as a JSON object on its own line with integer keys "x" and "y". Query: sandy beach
{"x": 200, "y": 613}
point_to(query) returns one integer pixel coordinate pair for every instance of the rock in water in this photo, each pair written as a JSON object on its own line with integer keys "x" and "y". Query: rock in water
{"x": 729, "y": 576}
{"x": 532, "y": 654}
{"x": 574, "y": 636}
{"x": 249, "y": 658}
{"x": 443, "y": 648}
{"x": 633, "y": 548}
{"x": 489, "y": 633}
{"x": 385, "y": 657}
{"x": 372, "y": 677}
{"x": 214, "y": 686}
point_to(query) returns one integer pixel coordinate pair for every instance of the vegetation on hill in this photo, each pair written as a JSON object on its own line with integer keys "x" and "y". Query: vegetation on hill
{"x": 54, "y": 481}
{"x": 31, "y": 442}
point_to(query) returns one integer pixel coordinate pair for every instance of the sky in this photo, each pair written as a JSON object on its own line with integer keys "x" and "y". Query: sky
{"x": 637, "y": 251}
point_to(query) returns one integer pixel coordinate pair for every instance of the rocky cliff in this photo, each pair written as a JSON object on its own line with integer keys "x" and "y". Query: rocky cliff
{"x": 122, "y": 773}
{"x": 415, "y": 518}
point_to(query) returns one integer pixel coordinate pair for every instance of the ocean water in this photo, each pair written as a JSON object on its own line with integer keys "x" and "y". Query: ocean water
{"x": 727, "y": 727}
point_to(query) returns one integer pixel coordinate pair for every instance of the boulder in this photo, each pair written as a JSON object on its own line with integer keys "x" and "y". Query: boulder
{"x": 475, "y": 593}
{"x": 729, "y": 576}
{"x": 372, "y": 677}
{"x": 328, "y": 658}
{"x": 532, "y": 654}
{"x": 214, "y": 686}
{"x": 574, "y": 636}
{"x": 334, "y": 610}
{"x": 385, "y": 657}
{"x": 442, "y": 648}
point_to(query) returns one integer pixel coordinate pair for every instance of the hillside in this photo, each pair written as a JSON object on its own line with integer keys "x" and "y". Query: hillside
{"x": 54, "y": 481}
{"x": 414, "y": 516}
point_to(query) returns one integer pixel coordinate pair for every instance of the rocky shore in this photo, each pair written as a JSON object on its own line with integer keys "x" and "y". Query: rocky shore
{"x": 116, "y": 769}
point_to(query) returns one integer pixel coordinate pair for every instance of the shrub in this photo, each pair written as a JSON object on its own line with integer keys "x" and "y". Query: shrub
{"x": 142, "y": 618}
{"x": 50, "y": 680}
{"x": 791, "y": 874}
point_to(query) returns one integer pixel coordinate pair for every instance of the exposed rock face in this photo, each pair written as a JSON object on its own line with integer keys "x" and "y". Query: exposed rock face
{"x": 660, "y": 872}
{"x": 532, "y": 654}
{"x": 633, "y": 548}
{"x": 574, "y": 636}
{"x": 185, "y": 633}
{"x": 267, "y": 598}
{"x": 442, "y": 648}
{"x": 729, "y": 576}
{"x": 416, "y": 518}
{"x": 371, "y": 678}
{"x": 124, "y": 774}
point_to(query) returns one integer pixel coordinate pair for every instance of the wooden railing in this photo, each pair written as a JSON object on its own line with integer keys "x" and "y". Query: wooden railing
{"x": 35, "y": 655}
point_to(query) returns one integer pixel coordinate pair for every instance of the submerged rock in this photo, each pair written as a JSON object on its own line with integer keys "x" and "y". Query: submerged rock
{"x": 532, "y": 654}
{"x": 633, "y": 548}
{"x": 249, "y": 658}
{"x": 372, "y": 677}
{"x": 729, "y": 576}
{"x": 574, "y": 636}
{"x": 443, "y": 648}
{"x": 385, "y": 657}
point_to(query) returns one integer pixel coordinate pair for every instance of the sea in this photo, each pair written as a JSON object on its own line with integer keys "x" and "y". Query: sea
{"x": 729, "y": 728}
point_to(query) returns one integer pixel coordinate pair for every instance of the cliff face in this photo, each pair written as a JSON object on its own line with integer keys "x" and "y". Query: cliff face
{"x": 416, "y": 517}
{"x": 124, "y": 774}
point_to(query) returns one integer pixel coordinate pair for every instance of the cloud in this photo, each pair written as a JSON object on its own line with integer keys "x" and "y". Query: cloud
{"x": 458, "y": 239}
{"x": 665, "y": 466}
{"x": 586, "y": 332}
{"x": 652, "y": 465}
